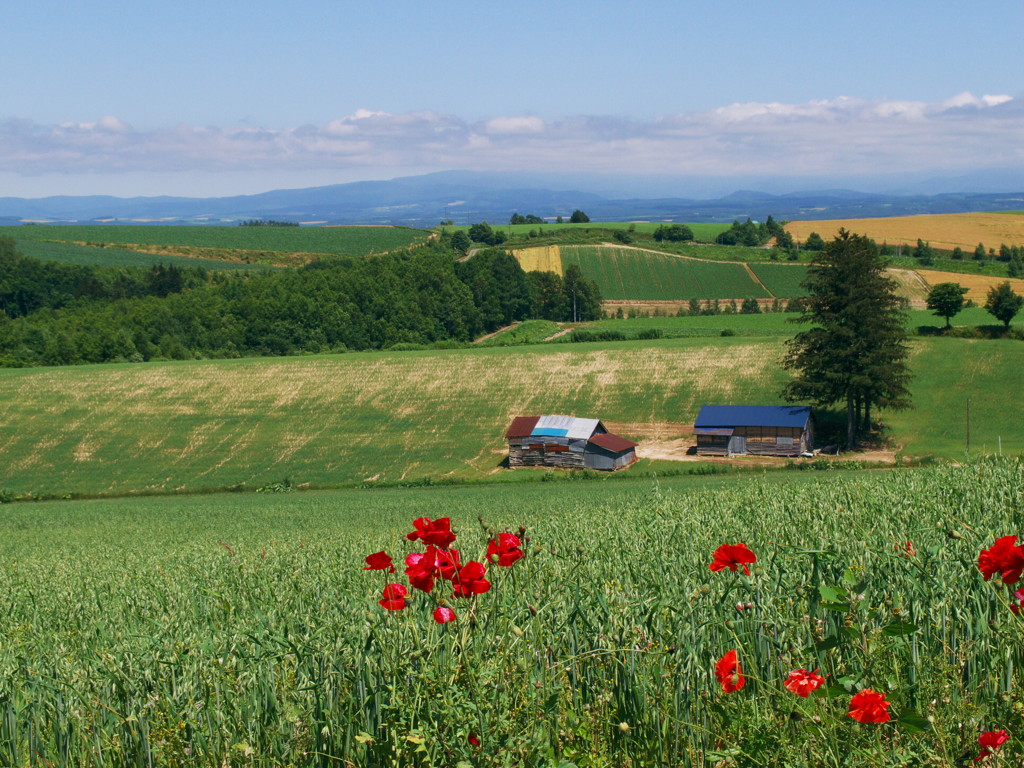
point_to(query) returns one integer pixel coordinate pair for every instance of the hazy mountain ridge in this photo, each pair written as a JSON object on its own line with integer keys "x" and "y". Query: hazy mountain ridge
{"x": 423, "y": 201}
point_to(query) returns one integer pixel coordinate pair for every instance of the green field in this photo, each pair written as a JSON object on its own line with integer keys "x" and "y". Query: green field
{"x": 346, "y": 241}
{"x": 703, "y": 231}
{"x": 633, "y": 274}
{"x": 782, "y": 280}
{"x": 764, "y": 324}
{"x": 117, "y": 257}
{"x": 403, "y": 416}
{"x": 240, "y": 630}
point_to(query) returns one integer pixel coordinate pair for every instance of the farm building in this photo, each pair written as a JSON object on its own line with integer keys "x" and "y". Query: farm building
{"x": 764, "y": 430}
{"x": 566, "y": 442}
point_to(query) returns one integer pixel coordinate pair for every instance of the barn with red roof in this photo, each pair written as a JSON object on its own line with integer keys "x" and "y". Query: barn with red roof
{"x": 567, "y": 442}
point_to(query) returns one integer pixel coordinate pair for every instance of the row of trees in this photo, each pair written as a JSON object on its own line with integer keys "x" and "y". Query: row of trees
{"x": 420, "y": 297}
{"x": 28, "y": 285}
{"x": 1002, "y": 302}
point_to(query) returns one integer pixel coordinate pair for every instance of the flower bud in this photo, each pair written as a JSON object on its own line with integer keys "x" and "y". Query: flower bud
{"x": 624, "y": 727}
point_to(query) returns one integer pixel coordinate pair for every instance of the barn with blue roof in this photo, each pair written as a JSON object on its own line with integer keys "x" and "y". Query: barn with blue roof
{"x": 764, "y": 430}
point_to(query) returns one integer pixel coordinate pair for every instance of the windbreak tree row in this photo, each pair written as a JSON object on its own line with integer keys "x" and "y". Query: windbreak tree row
{"x": 420, "y": 297}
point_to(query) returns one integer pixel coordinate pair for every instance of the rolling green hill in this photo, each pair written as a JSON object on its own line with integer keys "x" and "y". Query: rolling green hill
{"x": 390, "y": 416}
{"x": 635, "y": 274}
{"x": 279, "y": 246}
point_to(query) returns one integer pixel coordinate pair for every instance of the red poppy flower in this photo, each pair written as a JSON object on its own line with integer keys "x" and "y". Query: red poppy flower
{"x": 473, "y": 739}
{"x": 504, "y": 550}
{"x": 907, "y": 549}
{"x": 731, "y": 555}
{"x": 801, "y": 682}
{"x": 470, "y": 580}
{"x": 729, "y": 674}
{"x": 379, "y": 561}
{"x": 1005, "y": 557}
{"x": 436, "y": 532}
{"x": 424, "y": 567}
{"x": 991, "y": 740}
{"x": 869, "y": 706}
{"x": 394, "y": 597}
{"x": 443, "y": 614}
{"x": 1018, "y": 601}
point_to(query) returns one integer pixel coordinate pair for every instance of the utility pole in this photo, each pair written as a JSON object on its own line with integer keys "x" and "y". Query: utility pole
{"x": 968, "y": 425}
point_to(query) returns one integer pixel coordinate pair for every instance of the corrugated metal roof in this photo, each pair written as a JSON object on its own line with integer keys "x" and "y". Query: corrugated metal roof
{"x": 753, "y": 416}
{"x": 552, "y": 426}
{"x": 565, "y": 426}
{"x": 611, "y": 442}
{"x": 522, "y": 426}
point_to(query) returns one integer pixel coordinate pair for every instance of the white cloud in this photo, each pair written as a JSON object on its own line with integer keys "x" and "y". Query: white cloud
{"x": 822, "y": 137}
{"x": 514, "y": 125}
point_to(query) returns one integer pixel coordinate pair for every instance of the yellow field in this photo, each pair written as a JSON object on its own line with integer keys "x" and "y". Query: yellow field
{"x": 943, "y": 231}
{"x": 977, "y": 285}
{"x": 543, "y": 259}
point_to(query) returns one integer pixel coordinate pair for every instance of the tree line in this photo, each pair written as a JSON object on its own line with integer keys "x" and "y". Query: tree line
{"x": 419, "y": 297}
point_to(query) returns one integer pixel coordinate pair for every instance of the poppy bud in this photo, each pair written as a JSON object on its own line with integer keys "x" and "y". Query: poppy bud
{"x": 624, "y": 727}
{"x": 739, "y": 606}
{"x": 533, "y": 610}
{"x": 517, "y": 631}
{"x": 954, "y": 534}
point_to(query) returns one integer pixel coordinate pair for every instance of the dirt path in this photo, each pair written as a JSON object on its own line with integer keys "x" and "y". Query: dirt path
{"x": 757, "y": 280}
{"x": 486, "y": 336}
{"x": 560, "y": 333}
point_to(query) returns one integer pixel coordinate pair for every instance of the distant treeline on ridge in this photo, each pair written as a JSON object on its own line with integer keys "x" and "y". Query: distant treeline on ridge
{"x": 59, "y": 314}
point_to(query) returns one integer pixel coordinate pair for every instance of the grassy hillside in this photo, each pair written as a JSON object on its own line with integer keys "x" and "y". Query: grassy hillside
{"x": 703, "y": 231}
{"x": 392, "y": 416}
{"x": 258, "y": 245}
{"x": 630, "y": 273}
{"x": 118, "y": 257}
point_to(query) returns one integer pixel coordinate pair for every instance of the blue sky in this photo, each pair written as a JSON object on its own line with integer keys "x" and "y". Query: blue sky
{"x": 222, "y": 97}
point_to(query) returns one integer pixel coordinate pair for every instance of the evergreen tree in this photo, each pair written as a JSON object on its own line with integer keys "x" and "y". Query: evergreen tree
{"x": 855, "y": 352}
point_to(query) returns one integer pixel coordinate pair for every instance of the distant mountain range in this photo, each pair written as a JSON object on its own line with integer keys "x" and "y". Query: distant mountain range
{"x": 465, "y": 197}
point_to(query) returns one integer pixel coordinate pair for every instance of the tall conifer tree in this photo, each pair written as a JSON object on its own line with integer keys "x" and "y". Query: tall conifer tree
{"x": 855, "y": 353}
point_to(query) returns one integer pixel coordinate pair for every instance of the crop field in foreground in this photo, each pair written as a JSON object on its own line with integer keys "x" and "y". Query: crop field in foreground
{"x": 270, "y": 245}
{"x": 631, "y": 273}
{"x": 391, "y": 416}
{"x": 241, "y": 630}
{"x": 945, "y": 231}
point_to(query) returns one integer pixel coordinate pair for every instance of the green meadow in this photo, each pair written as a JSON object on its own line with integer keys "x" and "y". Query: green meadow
{"x": 240, "y": 630}
{"x": 703, "y": 231}
{"x": 343, "y": 241}
{"x": 69, "y": 253}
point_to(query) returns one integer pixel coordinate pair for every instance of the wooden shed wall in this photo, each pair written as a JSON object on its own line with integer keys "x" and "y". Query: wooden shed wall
{"x": 758, "y": 441}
